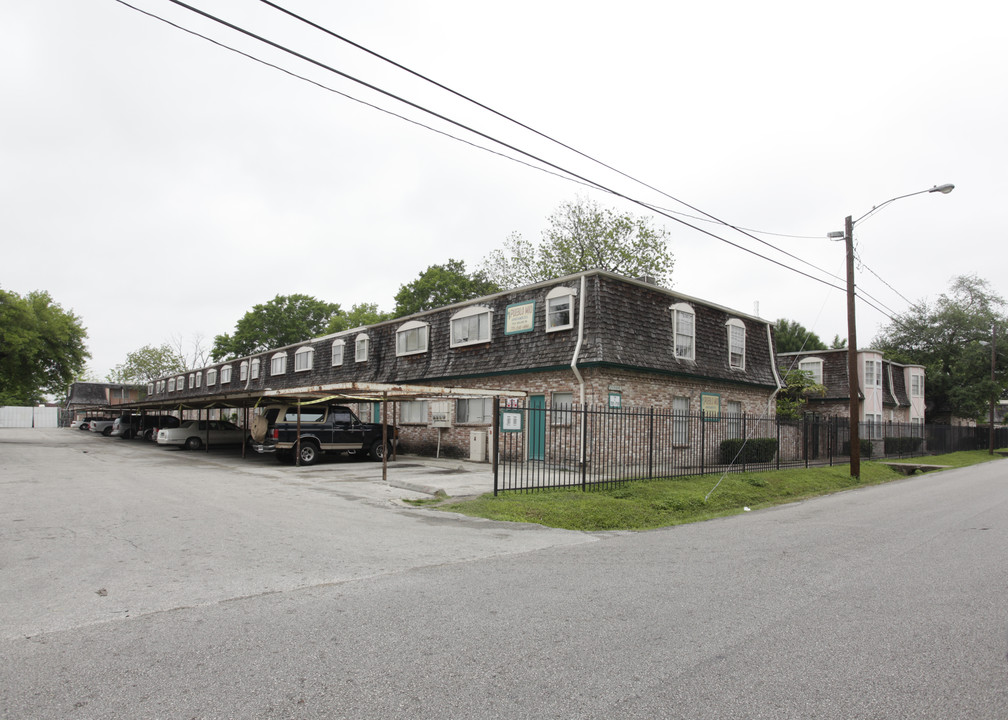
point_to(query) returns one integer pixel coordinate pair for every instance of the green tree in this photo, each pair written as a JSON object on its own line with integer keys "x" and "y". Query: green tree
{"x": 359, "y": 315}
{"x": 838, "y": 343}
{"x": 951, "y": 339}
{"x": 148, "y": 363}
{"x": 284, "y": 320}
{"x": 799, "y": 386}
{"x": 42, "y": 348}
{"x": 441, "y": 285}
{"x": 583, "y": 236}
{"x": 791, "y": 336}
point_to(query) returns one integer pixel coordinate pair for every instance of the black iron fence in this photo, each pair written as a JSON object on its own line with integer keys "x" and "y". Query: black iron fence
{"x": 597, "y": 446}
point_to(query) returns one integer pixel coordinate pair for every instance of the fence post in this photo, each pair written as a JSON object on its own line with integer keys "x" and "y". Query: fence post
{"x": 703, "y": 444}
{"x": 584, "y": 455}
{"x": 650, "y": 453}
{"x": 496, "y": 438}
{"x": 777, "y": 423}
{"x": 805, "y": 450}
{"x": 744, "y": 436}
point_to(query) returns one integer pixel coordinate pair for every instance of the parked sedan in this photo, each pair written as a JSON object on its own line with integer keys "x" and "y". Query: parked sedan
{"x": 193, "y": 433}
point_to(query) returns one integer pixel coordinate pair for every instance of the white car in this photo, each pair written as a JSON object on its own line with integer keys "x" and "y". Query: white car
{"x": 102, "y": 425}
{"x": 192, "y": 434}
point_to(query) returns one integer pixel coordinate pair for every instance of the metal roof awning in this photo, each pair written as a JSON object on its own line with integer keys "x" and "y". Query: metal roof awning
{"x": 345, "y": 391}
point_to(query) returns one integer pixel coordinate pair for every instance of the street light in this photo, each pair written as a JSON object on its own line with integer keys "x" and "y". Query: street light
{"x": 852, "y": 369}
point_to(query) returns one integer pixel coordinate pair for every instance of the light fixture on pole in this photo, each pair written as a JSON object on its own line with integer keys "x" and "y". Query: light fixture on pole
{"x": 852, "y": 365}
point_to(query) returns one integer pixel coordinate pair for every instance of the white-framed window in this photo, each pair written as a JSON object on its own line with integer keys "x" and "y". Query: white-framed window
{"x": 412, "y": 338}
{"x": 916, "y": 385}
{"x": 180, "y": 383}
{"x": 413, "y": 412}
{"x": 471, "y": 325}
{"x": 874, "y": 421}
{"x": 211, "y": 377}
{"x": 560, "y": 408}
{"x": 304, "y": 358}
{"x": 474, "y": 410}
{"x": 560, "y": 309}
{"x": 814, "y": 366}
{"x": 361, "y": 347}
{"x": 225, "y": 374}
{"x": 733, "y": 418}
{"x": 684, "y": 330}
{"x": 254, "y": 369}
{"x": 736, "y": 344}
{"x": 872, "y": 373}
{"x": 150, "y": 388}
{"x": 243, "y": 370}
{"x": 199, "y": 379}
{"x": 278, "y": 364}
{"x": 192, "y": 381}
{"x": 680, "y": 421}
{"x": 337, "y": 351}
{"x": 171, "y": 384}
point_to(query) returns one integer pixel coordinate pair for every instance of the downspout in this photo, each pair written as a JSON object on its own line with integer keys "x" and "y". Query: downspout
{"x": 574, "y": 368}
{"x": 771, "y": 408}
{"x": 580, "y": 340}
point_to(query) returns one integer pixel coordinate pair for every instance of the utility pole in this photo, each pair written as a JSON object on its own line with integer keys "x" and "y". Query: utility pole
{"x": 852, "y": 364}
{"x": 990, "y": 445}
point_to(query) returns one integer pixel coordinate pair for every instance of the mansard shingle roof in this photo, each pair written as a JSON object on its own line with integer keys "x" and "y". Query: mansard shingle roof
{"x": 626, "y": 324}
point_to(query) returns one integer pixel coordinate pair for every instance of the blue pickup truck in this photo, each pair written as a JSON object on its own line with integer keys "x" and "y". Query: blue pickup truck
{"x": 324, "y": 429}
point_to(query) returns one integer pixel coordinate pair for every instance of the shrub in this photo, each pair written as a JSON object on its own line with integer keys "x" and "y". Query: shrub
{"x": 866, "y": 448}
{"x": 753, "y": 450}
{"x": 902, "y": 445}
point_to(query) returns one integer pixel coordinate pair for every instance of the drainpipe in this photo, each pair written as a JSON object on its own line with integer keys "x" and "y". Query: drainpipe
{"x": 580, "y": 339}
{"x": 577, "y": 373}
{"x": 773, "y": 366}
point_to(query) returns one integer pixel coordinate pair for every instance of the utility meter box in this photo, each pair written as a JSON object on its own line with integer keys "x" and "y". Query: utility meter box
{"x": 477, "y": 445}
{"x": 441, "y": 414}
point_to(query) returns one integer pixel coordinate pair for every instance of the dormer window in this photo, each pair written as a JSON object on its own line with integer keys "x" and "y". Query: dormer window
{"x": 471, "y": 326}
{"x": 211, "y": 376}
{"x": 243, "y": 370}
{"x": 361, "y": 347}
{"x": 278, "y": 364}
{"x": 225, "y": 374}
{"x": 337, "y": 351}
{"x": 814, "y": 366}
{"x": 736, "y": 344}
{"x": 560, "y": 309}
{"x": 304, "y": 358}
{"x": 412, "y": 338}
{"x": 254, "y": 369}
{"x": 684, "y": 331}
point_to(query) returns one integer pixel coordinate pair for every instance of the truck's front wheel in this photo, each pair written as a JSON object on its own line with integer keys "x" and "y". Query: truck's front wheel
{"x": 377, "y": 451}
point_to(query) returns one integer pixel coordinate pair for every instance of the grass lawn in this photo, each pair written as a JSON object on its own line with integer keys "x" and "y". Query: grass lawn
{"x": 647, "y": 504}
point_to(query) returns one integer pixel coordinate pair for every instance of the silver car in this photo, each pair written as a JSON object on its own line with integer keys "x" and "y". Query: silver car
{"x": 192, "y": 434}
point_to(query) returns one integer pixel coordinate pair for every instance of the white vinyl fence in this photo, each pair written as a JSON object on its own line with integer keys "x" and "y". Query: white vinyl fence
{"x": 28, "y": 417}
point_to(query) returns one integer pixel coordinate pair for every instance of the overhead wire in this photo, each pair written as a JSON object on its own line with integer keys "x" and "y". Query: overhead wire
{"x": 481, "y": 134}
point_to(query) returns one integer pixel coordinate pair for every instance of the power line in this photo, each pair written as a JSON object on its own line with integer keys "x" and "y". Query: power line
{"x": 485, "y": 136}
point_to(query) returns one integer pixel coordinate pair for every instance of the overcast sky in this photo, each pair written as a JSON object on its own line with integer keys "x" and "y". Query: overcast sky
{"x": 160, "y": 185}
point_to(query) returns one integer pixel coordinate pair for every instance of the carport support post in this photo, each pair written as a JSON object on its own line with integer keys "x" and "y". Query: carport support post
{"x": 297, "y": 443}
{"x": 384, "y": 438}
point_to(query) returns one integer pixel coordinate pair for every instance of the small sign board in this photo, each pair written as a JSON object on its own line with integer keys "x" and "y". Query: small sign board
{"x": 519, "y": 317}
{"x": 710, "y": 407}
{"x": 511, "y": 420}
{"x": 615, "y": 400}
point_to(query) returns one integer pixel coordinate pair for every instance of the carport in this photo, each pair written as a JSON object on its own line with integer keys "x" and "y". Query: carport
{"x": 384, "y": 393}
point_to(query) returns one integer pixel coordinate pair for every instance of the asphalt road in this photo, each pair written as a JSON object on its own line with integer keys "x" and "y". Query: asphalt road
{"x": 137, "y": 582}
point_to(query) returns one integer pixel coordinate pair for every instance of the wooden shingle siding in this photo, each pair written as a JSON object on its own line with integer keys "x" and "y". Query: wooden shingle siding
{"x": 627, "y": 326}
